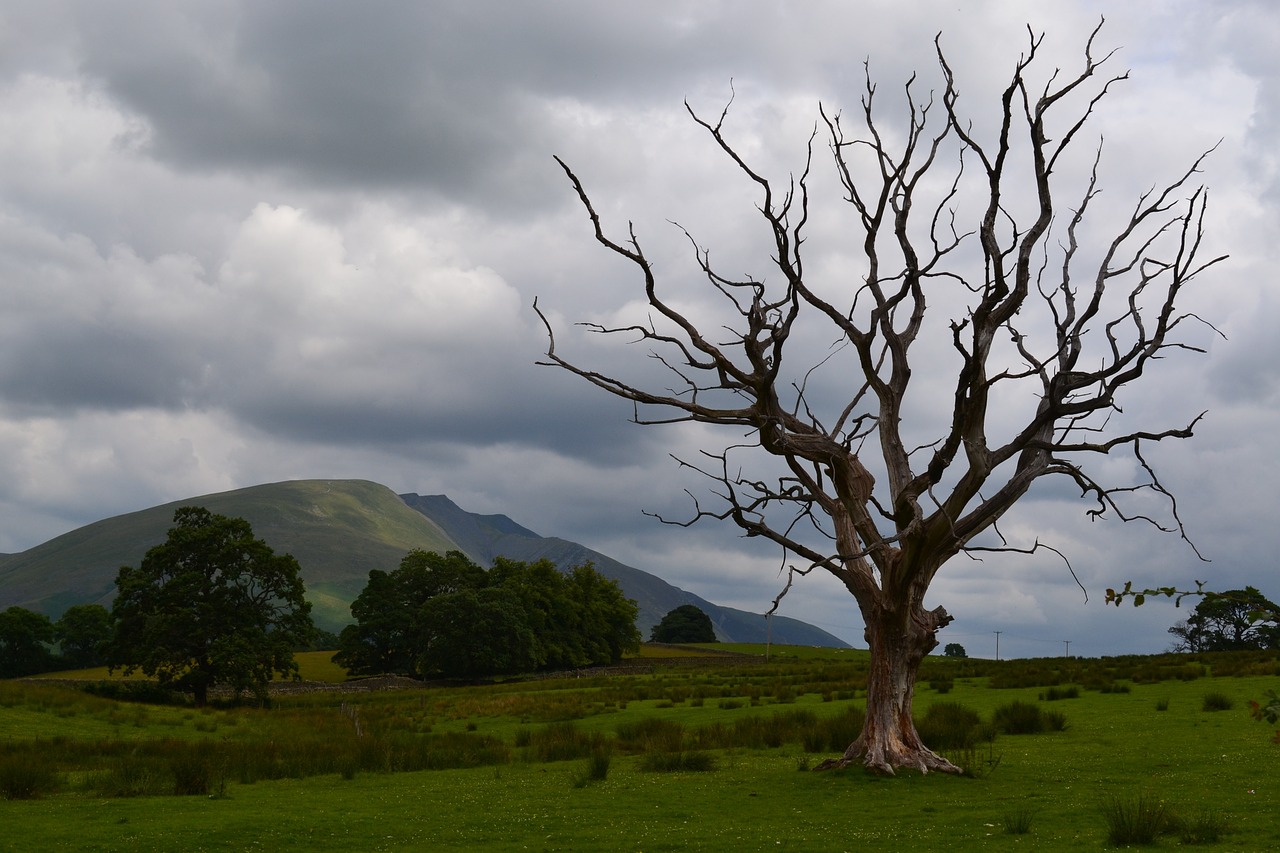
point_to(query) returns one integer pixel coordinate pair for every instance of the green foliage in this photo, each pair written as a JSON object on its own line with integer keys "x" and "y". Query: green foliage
{"x": 475, "y": 632}
{"x": 954, "y": 650}
{"x": 210, "y": 606}
{"x": 1229, "y": 621}
{"x": 948, "y": 725}
{"x": 24, "y": 639}
{"x": 444, "y": 615}
{"x": 685, "y": 624}
{"x": 83, "y": 632}
{"x": 387, "y": 634}
{"x": 1026, "y": 718}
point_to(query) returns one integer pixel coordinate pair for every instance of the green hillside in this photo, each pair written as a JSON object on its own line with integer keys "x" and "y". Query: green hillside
{"x": 339, "y": 530}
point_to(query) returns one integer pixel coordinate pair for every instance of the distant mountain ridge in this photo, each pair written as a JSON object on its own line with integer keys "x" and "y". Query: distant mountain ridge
{"x": 338, "y": 530}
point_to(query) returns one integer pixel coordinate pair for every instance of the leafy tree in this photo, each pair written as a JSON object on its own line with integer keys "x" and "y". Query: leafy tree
{"x": 386, "y": 636}
{"x": 605, "y": 618}
{"x": 24, "y": 639}
{"x": 212, "y": 605}
{"x": 963, "y": 267}
{"x": 1235, "y": 619}
{"x": 954, "y": 650}
{"x": 83, "y": 632}
{"x": 685, "y": 624}
{"x": 475, "y": 632}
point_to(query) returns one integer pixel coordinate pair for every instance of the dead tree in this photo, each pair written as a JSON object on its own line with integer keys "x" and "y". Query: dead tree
{"x": 1029, "y": 316}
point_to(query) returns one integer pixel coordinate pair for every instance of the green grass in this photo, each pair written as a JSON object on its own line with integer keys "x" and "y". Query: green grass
{"x": 1214, "y": 771}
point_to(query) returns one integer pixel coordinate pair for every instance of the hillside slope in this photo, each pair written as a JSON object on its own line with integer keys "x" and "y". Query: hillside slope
{"x": 485, "y": 537}
{"x": 339, "y": 530}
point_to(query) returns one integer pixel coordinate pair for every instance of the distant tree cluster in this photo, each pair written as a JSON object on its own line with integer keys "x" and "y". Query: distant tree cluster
{"x": 443, "y": 615}
{"x": 954, "y": 650}
{"x": 1229, "y": 621}
{"x": 31, "y": 642}
{"x": 685, "y": 624}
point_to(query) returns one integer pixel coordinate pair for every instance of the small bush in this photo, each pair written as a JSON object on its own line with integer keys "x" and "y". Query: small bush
{"x": 1140, "y": 820}
{"x": 1019, "y": 718}
{"x": 1053, "y": 694}
{"x": 1217, "y": 702}
{"x": 948, "y": 725}
{"x": 1162, "y": 704}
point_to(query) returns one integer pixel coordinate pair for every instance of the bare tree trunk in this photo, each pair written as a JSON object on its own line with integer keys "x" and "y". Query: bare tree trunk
{"x": 899, "y": 641}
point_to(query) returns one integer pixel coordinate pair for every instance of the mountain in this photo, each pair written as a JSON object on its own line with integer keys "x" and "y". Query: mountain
{"x": 484, "y": 537}
{"x": 338, "y": 530}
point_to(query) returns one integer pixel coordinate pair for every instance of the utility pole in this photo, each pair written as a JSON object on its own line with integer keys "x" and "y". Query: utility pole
{"x": 997, "y": 633}
{"x": 1068, "y": 644}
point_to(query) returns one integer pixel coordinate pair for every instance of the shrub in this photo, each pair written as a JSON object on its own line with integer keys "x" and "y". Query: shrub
{"x": 1019, "y": 718}
{"x": 1053, "y": 721}
{"x": 1217, "y": 702}
{"x": 1162, "y": 704}
{"x": 948, "y": 725}
{"x": 1137, "y": 821}
{"x": 1053, "y": 693}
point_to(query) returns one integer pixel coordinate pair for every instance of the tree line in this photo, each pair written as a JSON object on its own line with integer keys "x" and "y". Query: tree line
{"x": 444, "y": 616}
{"x": 215, "y": 606}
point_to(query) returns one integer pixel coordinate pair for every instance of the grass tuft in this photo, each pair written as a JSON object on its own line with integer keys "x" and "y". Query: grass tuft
{"x": 1139, "y": 820}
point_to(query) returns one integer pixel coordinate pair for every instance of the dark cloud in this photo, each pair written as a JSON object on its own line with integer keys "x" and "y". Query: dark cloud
{"x": 244, "y": 242}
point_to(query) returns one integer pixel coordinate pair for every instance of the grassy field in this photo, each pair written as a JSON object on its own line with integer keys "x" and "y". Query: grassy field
{"x": 679, "y": 753}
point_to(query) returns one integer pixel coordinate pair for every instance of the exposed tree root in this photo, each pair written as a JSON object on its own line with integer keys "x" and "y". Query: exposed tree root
{"x": 876, "y": 761}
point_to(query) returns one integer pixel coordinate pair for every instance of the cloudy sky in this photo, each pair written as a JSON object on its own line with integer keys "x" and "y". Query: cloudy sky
{"x": 245, "y": 242}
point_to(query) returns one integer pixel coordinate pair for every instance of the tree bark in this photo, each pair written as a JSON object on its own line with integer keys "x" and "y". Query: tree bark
{"x": 899, "y": 640}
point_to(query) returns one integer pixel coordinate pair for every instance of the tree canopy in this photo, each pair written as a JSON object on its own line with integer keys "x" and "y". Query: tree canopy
{"x": 443, "y": 615}
{"x": 687, "y": 623}
{"x": 974, "y": 328}
{"x": 1228, "y": 621}
{"x": 82, "y": 632}
{"x": 24, "y": 639}
{"x": 212, "y": 605}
